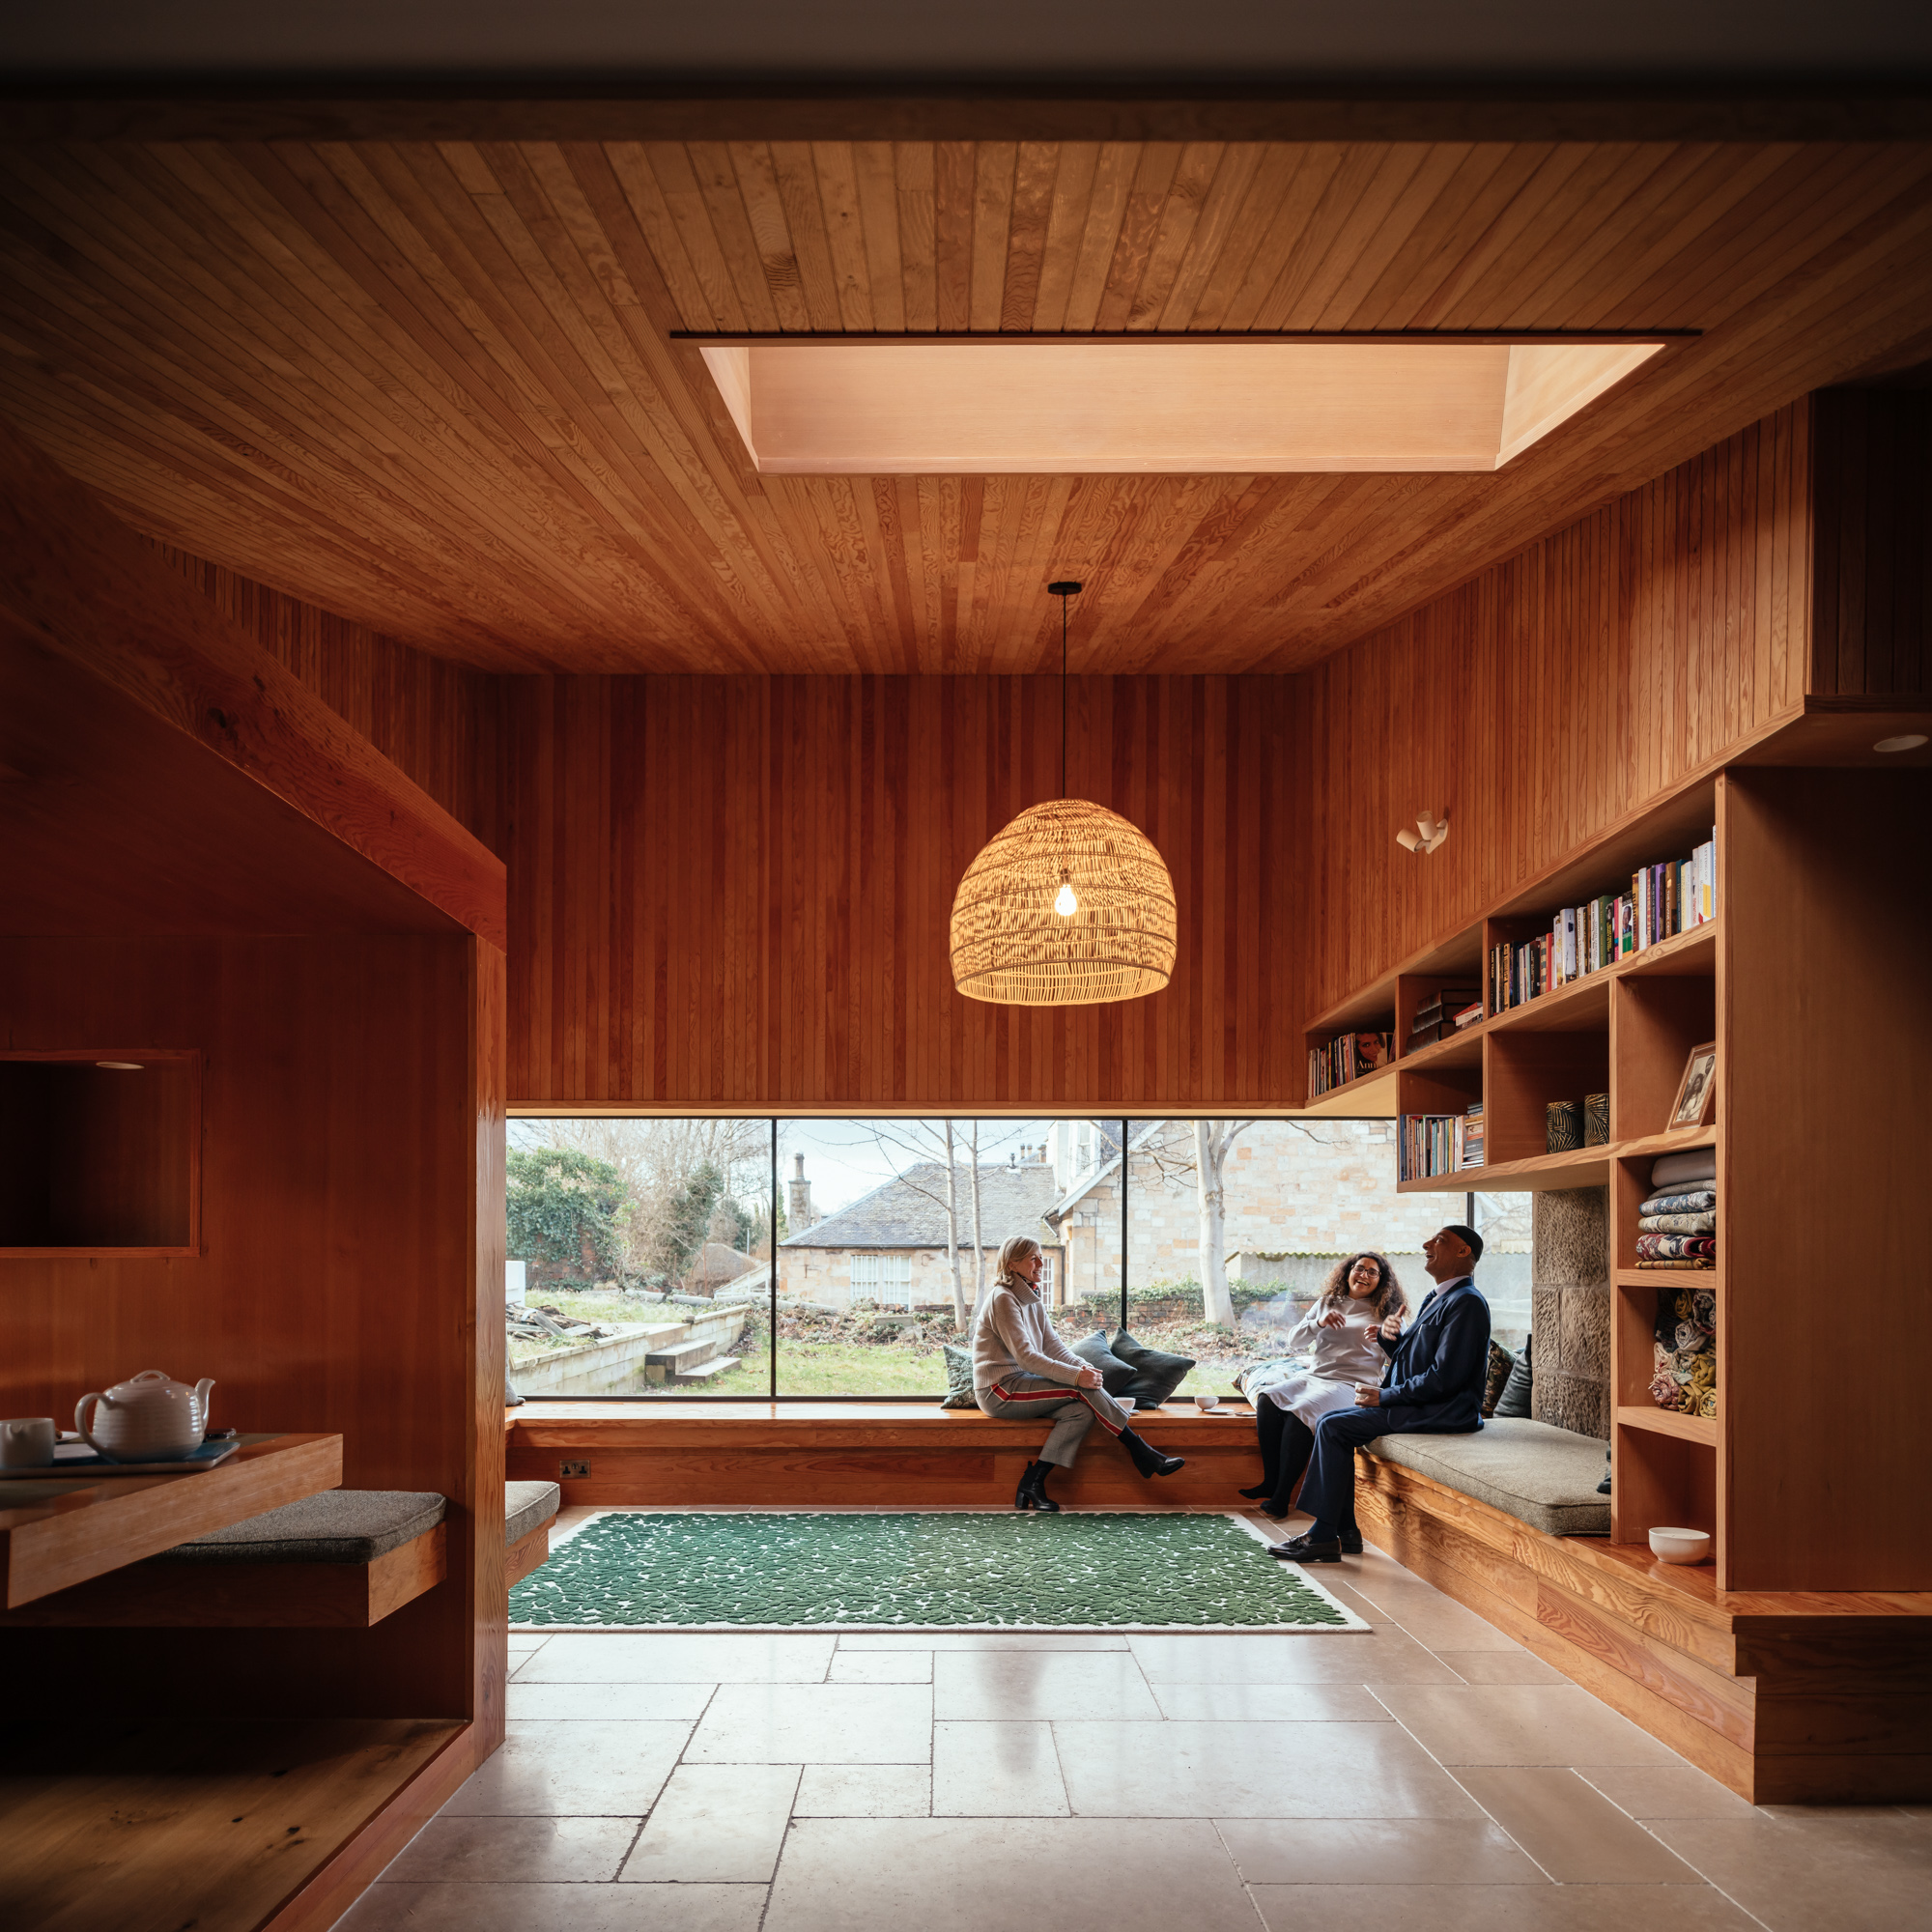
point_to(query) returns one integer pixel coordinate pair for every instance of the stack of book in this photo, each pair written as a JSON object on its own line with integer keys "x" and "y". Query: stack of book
{"x": 1438, "y": 1014}
{"x": 1346, "y": 1057}
{"x": 1663, "y": 901}
{"x": 1431, "y": 1143}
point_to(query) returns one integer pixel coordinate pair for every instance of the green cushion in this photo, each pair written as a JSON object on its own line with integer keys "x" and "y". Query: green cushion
{"x": 1540, "y": 1474}
{"x": 1116, "y": 1375}
{"x": 958, "y": 1377}
{"x": 1156, "y": 1376}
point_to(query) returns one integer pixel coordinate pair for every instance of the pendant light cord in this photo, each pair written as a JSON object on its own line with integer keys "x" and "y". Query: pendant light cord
{"x": 1063, "y": 596}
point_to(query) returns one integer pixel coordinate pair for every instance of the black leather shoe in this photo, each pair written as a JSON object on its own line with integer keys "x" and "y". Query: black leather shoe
{"x": 1299, "y": 1549}
{"x": 1351, "y": 1545}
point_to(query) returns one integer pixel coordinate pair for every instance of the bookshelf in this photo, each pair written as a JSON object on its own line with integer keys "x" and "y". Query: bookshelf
{"x": 1823, "y": 1061}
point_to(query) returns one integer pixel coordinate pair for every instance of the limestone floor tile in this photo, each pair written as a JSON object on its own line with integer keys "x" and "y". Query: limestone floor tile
{"x": 572, "y": 1769}
{"x": 1796, "y": 1874}
{"x": 996, "y": 1770}
{"x": 863, "y": 1791}
{"x": 1514, "y": 1665}
{"x": 521, "y": 1645}
{"x": 537, "y": 1851}
{"x": 555, "y": 1908}
{"x": 936, "y": 1640}
{"x": 1648, "y": 1791}
{"x": 696, "y": 1656}
{"x": 881, "y": 1667}
{"x": 815, "y": 1723}
{"x": 664, "y": 1702}
{"x": 1520, "y": 1724}
{"x": 1406, "y": 1850}
{"x": 716, "y": 1824}
{"x": 1273, "y": 1703}
{"x": 1329, "y": 1658}
{"x": 1434, "y": 1619}
{"x": 972, "y": 1874}
{"x": 1570, "y": 1829}
{"x": 1501, "y": 1907}
{"x": 1040, "y": 1684}
{"x": 1192, "y": 1769}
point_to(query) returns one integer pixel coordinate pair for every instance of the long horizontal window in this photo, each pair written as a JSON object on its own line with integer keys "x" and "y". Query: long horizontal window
{"x": 794, "y": 1260}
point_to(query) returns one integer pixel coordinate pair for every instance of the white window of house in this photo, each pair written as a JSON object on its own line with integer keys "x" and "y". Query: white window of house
{"x": 1047, "y": 1277}
{"x": 896, "y": 1278}
{"x": 865, "y": 1275}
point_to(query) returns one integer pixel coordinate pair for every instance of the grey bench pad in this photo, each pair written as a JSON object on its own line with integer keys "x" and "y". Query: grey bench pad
{"x": 333, "y": 1526}
{"x": 1541, "y": 1475}
{"x": 526, "y": 1506}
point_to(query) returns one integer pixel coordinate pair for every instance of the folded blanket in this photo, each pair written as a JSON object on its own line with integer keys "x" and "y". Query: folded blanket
{"x": 1672, "y": 1247}
{"x": 1678, "y": 1224}
{"x": 1692, "y": 1201}
{"x": 1692, "y": 1164}
{"x": 1677, "y": 1261}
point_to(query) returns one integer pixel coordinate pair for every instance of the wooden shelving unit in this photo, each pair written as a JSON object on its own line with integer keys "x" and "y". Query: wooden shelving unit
{"x": 1823, "y": 1054}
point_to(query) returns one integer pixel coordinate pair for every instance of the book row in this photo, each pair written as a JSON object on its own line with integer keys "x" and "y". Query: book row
{"x": 1345, "y": 1057}
{"x": 1663, "y": 901}
{"x": 1432, "y": 1144}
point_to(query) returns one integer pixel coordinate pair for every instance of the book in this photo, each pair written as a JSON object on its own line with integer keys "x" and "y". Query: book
{"x": 1345, "y": 1057}
{"x": 1469, "y": 1015}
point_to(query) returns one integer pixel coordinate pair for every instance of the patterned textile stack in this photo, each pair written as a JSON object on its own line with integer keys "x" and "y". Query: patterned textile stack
{"x": 1677, "y": 1227}
{"x": 1686, "y": 1352}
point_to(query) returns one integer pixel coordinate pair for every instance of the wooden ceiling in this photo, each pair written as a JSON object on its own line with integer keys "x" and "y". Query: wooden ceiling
{"x": 436, "y": 386}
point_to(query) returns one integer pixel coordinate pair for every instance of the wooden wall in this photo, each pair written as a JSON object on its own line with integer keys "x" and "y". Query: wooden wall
{"x": 736, "y": 891}
{"x": 351, "y": 1282}
{"x": 1550, "y": 696}
{"x": 1871, "y": 631}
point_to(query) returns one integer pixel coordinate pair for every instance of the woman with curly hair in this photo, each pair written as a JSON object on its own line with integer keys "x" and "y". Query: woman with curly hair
{"x": 1360, "y": 1299}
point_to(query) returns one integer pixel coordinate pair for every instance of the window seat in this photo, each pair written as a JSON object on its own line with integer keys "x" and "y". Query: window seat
{"x": 528, "y": 1511}
{"x": 1541, "y": 1475}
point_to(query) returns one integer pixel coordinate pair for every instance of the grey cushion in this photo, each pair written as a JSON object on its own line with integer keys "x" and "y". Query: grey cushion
{"x": 1541, "y": 1475}
{"x": 1116, "y": 1375}
{"x": 958, "y": 1377}
{"x": 1514, "y": 1402}
{"x": 335, "y": 1526}
{"x": 527, "y": 1506}
{"x": 1156, "y": 1375}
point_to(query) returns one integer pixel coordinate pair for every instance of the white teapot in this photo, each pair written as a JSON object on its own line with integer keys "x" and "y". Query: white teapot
{"x": 148, "y": 1418}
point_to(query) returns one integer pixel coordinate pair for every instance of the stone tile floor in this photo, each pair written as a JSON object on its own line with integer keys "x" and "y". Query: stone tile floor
{"x": 1432, "y": 1772}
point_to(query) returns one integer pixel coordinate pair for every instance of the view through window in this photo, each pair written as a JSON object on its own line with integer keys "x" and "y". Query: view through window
{"x": 642, "y": 1252}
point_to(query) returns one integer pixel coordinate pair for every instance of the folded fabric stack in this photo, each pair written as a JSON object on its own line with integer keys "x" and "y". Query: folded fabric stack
{"x": 1677, "y": 1227}
{"x": 1686, "y": 1352}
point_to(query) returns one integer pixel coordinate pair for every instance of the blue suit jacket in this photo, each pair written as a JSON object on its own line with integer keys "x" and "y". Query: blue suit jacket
{"x": 1436, "y": 1372}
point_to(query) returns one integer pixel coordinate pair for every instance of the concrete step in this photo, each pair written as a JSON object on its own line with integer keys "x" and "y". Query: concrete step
{"x": 705, "y": 1369}
{"x": 684, "y": 1356}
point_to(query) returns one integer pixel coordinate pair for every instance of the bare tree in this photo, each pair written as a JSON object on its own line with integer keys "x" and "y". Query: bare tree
{"x": 953, "y": 1229}
{"x": 978, "y": 1241}
{"x": 1212, "y": 1141}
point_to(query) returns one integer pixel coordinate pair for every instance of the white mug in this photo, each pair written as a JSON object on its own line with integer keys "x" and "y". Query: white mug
{"x": 27, "y": 1442}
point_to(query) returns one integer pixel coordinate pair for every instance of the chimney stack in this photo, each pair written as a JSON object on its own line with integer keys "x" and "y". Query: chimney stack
{"x": 798, "y": 1210}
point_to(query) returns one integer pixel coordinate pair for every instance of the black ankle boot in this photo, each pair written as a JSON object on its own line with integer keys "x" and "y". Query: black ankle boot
{"x": 1032, "y": 1493}
{"x": 1148, "y": 1460}
{"x": 1260, "y": 1493}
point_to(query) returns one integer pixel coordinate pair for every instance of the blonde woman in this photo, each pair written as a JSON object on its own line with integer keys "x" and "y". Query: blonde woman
{"x": 1020, "y": 1367}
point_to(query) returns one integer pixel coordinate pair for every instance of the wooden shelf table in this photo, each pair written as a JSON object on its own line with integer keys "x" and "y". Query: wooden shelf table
{"x": 61, "y": 1530}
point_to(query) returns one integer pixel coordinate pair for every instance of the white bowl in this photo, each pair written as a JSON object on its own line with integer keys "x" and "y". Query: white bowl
{"x": 1203, "y": 1403}
{"x": 1679, "y": 1546}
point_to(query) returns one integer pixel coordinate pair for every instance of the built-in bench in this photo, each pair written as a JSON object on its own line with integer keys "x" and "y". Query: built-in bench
{"x": 528, "y": 1511}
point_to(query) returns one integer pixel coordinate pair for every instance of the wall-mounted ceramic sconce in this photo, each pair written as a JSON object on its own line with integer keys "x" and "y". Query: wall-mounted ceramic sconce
{"x": 1430, "y": 832}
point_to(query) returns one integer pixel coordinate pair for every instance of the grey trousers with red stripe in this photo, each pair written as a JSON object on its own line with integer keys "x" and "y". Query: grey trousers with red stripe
{"x": 1072, "y": 1410}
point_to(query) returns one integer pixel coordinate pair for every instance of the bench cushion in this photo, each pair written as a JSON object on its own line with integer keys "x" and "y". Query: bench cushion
{"x": 1541, "y": 1475}
{"x": 528, "y": 1507}
{"x": 334, "y": 1526}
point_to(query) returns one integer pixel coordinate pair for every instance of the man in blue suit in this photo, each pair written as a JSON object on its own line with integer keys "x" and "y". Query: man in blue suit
{"x": 1432, "y": 1385}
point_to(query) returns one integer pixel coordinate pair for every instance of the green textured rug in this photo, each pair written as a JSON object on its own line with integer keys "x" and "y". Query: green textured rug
{"x": 914, "y": 1570}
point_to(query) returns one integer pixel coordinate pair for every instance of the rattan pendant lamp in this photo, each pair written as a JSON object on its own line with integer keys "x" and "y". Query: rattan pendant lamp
{"x": 1068, "y": 905}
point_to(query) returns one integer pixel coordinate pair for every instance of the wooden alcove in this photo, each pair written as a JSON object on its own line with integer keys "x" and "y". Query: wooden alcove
{"x": 298, "y": 1194}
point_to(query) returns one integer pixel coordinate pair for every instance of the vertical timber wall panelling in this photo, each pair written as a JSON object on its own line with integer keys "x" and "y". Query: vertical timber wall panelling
{"x": 433, "y": 720}
{"x": 737, "y": 890}
{"x": 1549, "y": 697}
{"x": 351, "y": 1281}
{"x": 1872, "y": 608}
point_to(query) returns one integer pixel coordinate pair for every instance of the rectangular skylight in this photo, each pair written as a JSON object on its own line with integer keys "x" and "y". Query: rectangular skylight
{"x": 1044, "y": 406}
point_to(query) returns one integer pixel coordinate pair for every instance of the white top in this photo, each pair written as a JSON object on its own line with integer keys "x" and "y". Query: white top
{"x": 1344, "y": 1357}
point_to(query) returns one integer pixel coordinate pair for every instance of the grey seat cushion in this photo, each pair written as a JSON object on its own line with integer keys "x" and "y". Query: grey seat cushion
{"x": 1541, "y": 1475}
{"x": 527, "y": 1506}
{"x": 334, "y": 1526}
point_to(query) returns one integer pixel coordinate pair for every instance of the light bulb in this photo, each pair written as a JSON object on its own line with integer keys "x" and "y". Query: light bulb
{"x": 1064, "y": 902}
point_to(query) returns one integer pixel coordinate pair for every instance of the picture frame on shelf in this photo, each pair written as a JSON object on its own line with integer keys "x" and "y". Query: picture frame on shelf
{"x": 1696, "y": 1101}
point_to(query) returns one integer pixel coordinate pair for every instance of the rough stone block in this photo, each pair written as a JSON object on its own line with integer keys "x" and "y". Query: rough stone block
{"x": 1570, "y": 1237}
{"x": 1545, "y": 1323}
{"x": 1585, "y": 1328}
{"x": 1572, "y": 1402}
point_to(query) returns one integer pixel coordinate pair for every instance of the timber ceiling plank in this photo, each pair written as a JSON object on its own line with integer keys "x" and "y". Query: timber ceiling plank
{"x": 439, "y": 385}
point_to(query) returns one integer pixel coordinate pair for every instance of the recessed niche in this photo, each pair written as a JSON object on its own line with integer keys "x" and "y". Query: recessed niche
{"x": 100, "y": 1152}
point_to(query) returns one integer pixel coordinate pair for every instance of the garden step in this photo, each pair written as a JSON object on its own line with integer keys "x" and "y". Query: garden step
{"x": 685, "y": 1355}
{"x": 705, "y": 1369}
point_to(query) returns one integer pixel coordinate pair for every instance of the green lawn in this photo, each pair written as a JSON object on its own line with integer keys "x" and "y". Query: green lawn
{"x": 835, "y": 1368}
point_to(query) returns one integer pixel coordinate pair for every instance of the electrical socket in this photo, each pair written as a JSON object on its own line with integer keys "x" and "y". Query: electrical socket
{"x": 570, "y": 1469}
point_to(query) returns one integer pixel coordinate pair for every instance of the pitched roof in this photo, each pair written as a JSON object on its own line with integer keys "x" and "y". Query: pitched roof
{"x": 714, "y": 1261}
{"x": 910, "y": 1211}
